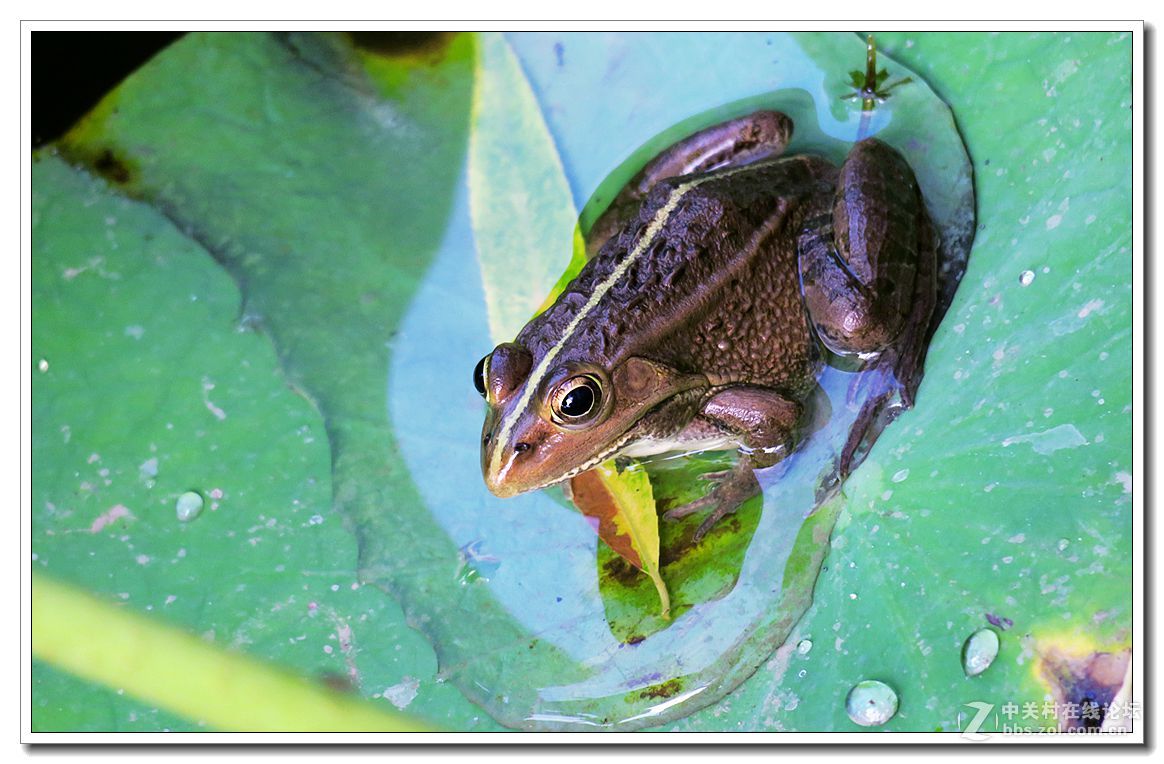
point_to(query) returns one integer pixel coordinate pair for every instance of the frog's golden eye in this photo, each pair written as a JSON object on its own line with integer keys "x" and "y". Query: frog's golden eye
{"x": 479, "y": 376}
{"x": 576, "y": 399}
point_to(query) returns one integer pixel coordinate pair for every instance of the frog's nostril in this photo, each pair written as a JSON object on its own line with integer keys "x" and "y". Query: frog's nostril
{"x": 488, "y": 437}
{"x": 522, "y": 447}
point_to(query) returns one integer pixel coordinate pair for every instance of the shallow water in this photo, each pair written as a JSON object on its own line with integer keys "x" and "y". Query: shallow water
{"x": 569, "y": 666}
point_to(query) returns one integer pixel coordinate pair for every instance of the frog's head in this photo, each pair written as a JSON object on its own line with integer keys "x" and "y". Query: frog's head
{"x": 546, "y": 422}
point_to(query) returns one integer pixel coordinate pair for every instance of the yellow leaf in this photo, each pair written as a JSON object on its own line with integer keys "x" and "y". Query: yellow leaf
{"x": 624, "y": 506}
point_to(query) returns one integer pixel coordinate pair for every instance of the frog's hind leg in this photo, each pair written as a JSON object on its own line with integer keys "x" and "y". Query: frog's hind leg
{"x": 858, "y": 283}
{"x": 760, "y": 135}
{"x": 879, "y": 271}
{"x": 898, "y": 370}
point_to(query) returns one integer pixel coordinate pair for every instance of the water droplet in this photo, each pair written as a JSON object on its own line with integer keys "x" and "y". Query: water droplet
{"x": 189, "y": 506}
{"x": 1063, "y": 544}
{"x": 871, "y": 703}
{"x": 803, "y": 646}
{"x": 900, "y": 475}
{"x": 979, "y": 651}
{"x": 1026, "y": 277}
{"x": 148, "y": 470}
{"x": 802, "y": 673}
{"x": 42, "y": 365}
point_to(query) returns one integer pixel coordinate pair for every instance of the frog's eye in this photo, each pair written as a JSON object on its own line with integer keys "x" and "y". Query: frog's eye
{"x": 479, "y": 376}
{"x": 576, "y": 398}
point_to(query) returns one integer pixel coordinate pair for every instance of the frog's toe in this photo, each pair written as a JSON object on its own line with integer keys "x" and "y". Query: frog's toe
{"x": 732, "y": 488}
{"x": 728, "y": 497}
{"x": 690, "y": 508}
{"x": 721, "y": 511}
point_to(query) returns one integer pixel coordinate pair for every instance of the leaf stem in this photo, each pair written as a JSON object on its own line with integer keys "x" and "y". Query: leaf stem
{"x": 870, "y": 88}
{"x": 159, "y": 664}
{"x": 664, "y": 596}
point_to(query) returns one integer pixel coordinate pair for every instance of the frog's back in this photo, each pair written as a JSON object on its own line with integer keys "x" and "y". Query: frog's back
{"x": 755, "y": 328}
{"x": 703, "y": 279}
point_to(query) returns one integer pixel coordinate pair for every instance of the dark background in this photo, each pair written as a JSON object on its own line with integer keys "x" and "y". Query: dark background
{"x": 71, "y": 71}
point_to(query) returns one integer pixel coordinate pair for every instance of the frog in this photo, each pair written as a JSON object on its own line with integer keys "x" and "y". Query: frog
{"x": 719, "y": 281}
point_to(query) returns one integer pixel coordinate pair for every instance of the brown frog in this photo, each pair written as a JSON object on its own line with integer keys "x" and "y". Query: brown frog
{"x": 719, "y": 277}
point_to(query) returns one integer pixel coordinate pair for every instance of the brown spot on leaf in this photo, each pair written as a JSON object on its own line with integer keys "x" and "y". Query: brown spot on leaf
{"x": 111, "y": 167}
{"x": 1092, "y": 679}
{"x": 672, "y": 550}
{"x": 425, "y": 45}
{"x": 663, "y": 690}
{"x": 104, "y": 161}
{"x": 338, "y": 682}
{"x": 1001, "y": 622}
{"x": 620, "y": 570}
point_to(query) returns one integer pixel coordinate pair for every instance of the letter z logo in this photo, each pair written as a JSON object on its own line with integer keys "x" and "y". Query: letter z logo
{"x": 970, "y": 732}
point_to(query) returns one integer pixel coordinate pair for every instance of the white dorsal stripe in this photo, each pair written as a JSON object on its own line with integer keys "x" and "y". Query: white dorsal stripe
{"x": 539, "y": 372}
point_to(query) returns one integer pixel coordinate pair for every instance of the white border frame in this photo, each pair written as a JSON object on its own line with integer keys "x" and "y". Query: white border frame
{"x": 856, "y": 737}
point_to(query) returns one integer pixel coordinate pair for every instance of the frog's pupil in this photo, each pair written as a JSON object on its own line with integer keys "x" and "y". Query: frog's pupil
{"x": 579, "y": 401}
{"x": 479, "y": 376}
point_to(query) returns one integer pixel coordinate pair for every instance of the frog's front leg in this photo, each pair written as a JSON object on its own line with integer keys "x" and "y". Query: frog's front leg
{"x": 763, "y": 421}
{"x": 858, "y": 283}
{"x": 760, "y": 135}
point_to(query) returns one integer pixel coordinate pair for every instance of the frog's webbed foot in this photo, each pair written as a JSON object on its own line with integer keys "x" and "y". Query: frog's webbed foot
{"x": 733, "y": 488}
{"x": 691, "y": 507}
{"x": 763, "y": 420}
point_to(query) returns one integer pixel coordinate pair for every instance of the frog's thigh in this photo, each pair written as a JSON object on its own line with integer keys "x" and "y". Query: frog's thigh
{"x": 858, "y": 286}
{"x": 760, "y": 135}
{"x": 762, "y": 419}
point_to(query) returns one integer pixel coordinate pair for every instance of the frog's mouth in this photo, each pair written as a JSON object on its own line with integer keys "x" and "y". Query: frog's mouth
{"x": 593, "y": 462}
{"x": 503, "y": 485}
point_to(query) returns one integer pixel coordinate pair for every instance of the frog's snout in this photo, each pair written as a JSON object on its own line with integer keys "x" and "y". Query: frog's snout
{"x": 498, "y": 462}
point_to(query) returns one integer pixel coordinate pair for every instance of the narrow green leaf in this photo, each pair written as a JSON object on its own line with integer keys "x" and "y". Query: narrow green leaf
{"x": 105, "y": 643}
{"x": 524, "y": 220}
